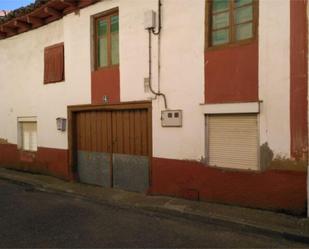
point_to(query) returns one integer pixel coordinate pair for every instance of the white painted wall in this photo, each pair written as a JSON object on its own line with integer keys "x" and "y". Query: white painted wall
{"x": 21, "y": 85}
{"x": 183, "y": 45}
{"x": 22, "y": 92}
{"x": 274, "y": 75}
{"x": 182, "y": 73}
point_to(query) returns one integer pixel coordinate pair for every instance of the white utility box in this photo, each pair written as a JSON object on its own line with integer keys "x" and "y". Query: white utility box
{"x": 171, "y": 118}
{"x": 150, "y": 19}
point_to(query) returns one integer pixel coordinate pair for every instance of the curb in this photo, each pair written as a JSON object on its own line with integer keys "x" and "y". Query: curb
{"x": 163, "y": 211}
{"x": 242, "y": 225}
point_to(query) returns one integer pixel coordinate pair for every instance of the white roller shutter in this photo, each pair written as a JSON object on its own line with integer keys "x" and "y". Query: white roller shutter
{"x": 233, "y": 141}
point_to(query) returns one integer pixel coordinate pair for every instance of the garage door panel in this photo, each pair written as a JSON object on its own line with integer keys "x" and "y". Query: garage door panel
{"x": 126, "y": 132}
{"x": 93, "y": 158}
{"x": 120, "y": 133}
{"x": 117, "y": 136}
{"x": 99, "y": 136}
{"x": 131, "y": 172}
{"x": 132, "y": 133}
{"x": 79, "y": 133}
{"x": 144, "y": 132}
{"x": 109, "y": 132}
{"x": 94, "y": 168}
{"x": 88, "y": 131}
{"x": 138, "y": 135}
{"x": 93, "y": 131}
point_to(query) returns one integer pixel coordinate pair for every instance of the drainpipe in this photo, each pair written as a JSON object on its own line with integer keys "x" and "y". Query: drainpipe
{"x": 157, "y": 33}
{"x": 150, "y": 72}
{"x": 308, "y": 109}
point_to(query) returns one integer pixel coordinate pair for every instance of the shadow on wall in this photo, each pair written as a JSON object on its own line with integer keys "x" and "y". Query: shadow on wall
{"x": 269, "y": 161}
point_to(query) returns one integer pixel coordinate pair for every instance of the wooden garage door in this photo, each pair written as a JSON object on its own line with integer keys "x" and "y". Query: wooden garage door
{"x": 94, "y": 147}
{"x": 130, "y": 158}
{"x": 94, "y": 131}
{"x": 233, "y": 141}
{"x": 113, "y": 148}
{"x": 130, "y": 132}
{"x": 123, "y": 132}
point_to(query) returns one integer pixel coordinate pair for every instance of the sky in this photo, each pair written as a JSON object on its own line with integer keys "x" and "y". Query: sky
{"x": 13, "y": 4}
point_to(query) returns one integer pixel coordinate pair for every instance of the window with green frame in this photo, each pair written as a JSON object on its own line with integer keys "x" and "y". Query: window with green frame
{"x": 107, "y": 40}
{"x": 231, "y": 21}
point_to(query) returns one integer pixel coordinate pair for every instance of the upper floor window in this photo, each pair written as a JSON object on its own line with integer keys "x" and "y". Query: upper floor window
{"x": 54, "y": 63}
{"x": 107, "y": 40}
{"x": 231, "y": 21}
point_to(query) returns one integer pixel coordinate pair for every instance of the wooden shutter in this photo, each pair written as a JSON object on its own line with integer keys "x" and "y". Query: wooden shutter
{"x": 54, "y": 63}
{"x": 233, "y": 141}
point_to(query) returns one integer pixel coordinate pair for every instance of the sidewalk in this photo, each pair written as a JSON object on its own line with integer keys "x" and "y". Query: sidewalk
{"x": 265, "y": 222}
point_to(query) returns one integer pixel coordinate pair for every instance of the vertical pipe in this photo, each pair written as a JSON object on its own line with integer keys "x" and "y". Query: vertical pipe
{"x": 150, "y": 69}
{"x": 158, "y": 33}
{"x": 307, "y": 28}
{"x": 159, "y": 62}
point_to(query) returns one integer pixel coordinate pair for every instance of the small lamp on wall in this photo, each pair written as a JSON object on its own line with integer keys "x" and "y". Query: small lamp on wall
{"x": 105, "y": 99}
{"x": 61, "y": 124}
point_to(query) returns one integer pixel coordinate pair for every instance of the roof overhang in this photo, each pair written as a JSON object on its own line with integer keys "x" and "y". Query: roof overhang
{"x": 51, "y": 11}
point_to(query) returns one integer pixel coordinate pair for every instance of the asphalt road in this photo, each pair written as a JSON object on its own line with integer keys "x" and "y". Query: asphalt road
{"x": 31, "y": 218}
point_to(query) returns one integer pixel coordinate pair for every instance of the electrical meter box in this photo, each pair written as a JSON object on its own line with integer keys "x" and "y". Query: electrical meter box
{"x": 171, "y": 118}
{"x": 150, "y": 19}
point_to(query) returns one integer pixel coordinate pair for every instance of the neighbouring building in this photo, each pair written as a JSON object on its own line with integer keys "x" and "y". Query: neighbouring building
{"x": 205, "y": 100}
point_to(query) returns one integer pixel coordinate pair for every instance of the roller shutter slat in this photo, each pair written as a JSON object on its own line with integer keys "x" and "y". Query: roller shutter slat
{"x": 233, "y": 141}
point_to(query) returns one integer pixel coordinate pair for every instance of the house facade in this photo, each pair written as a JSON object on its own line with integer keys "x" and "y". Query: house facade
{"x": 204, "y": 100}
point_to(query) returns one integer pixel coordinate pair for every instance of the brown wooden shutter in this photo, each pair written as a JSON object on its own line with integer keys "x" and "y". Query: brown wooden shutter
{"x": 54, "y": 63}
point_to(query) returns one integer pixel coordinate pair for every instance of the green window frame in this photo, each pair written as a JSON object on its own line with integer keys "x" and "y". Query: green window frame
{"x": 107, "y": 40}
{"x": 231, "y": 21}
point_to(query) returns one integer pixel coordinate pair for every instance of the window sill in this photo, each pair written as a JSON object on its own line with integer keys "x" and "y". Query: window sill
{"x": 54, "y": 82}
{"x": 231, "y": 45}
{"x": 105, "y": 68}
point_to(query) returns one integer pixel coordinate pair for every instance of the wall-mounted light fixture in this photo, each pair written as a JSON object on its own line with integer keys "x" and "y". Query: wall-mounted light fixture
{"x": 61, "y": 124}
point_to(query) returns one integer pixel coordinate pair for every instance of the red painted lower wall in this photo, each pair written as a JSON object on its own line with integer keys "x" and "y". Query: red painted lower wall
{"x": 105, "y": 81}
{"x": 299, "y": 80}
{"x": 56, "y": 161}
{"x": 273, "y": 190}
{"x": 46, "y": 160}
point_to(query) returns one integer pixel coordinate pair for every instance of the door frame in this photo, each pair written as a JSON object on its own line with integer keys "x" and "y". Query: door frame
{"x": 72, "y": 110}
